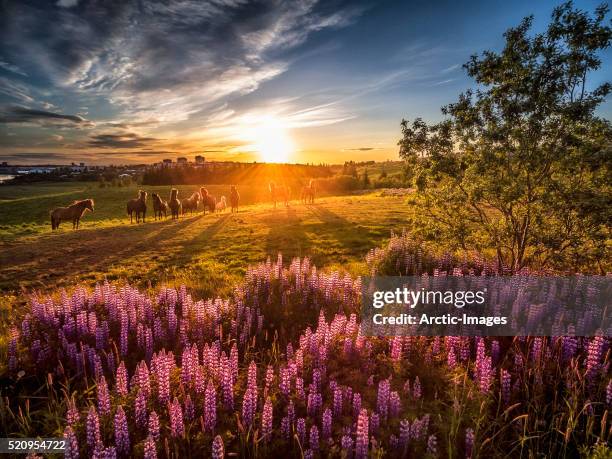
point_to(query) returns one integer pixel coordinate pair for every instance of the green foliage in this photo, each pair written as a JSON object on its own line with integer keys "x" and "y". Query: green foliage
{"x": 522, "y": 165}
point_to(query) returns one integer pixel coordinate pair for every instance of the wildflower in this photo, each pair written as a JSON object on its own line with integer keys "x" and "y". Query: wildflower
{"x": 71, "y": 450}
{"x": 154, "y": 426}
{"x": 150, "y": 450}
{"x": 122, "y": 436}
{"x": 121, "y": 380}
{"x": 210, "y": 407}
{"x": 104, "y": 404}
{"x": 266, "y": 419}
{"x": 93, "y": 428}
{"x": 175, "y": 413}
{"x": 218, "y": 450}
{"x": 362, "y": 436}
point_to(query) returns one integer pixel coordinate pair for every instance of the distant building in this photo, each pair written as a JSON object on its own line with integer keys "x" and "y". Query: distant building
{"x": 199, "y": 159}
{"x": 82, "y": 164}
{"x": 167, "y": 162}
{"x": 182, "y": 161}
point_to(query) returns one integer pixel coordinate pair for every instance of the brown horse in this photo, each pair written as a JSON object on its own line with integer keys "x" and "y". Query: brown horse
{"x": 190, "y": 204}
{"x": 234, "y": 198}
{"x": 174, "y": 204}
{"x": 279, "y": 193}
{"x": 73, "y": 212}
{"x": 138, "y": 206}
{"x": 208, "y": 200}
{"x": 308, "y": 193}
{"x": 159, "y": 206}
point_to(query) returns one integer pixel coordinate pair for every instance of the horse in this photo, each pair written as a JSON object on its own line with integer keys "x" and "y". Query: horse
{"x": 73, "y": 212}
{"x": 208, "y": 200}
{"x": 279, "y": 193}
{"x": 138, "y": 206}
{"x": 221, "y": 205}
{"x": 159, "y": 206}
{"x": 190, "y": 204}
{"x": 308, "y": 193}
{"x": 174, "y": 204}
{"x": 234, "y": 198}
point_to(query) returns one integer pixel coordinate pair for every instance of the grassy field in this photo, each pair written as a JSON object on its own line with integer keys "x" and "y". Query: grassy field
{"x": 205, "y": 252}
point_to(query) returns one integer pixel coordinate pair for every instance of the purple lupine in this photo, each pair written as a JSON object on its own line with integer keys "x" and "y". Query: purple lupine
{"x": 362, "y": 438}
{"x": 301, "y": 430}
{"x": 469, "y": 442}
{"x": 595, "y": 352}
{"x": 175, "y": 413}
{"x": 104, "y": 404}
{"x": 218, "y": 449}
{"x": 122, "y": 380}
{"x": 266, "y": 420}
{"x": 506, "y": 381}
{"x": 72, "y": 413}
{"x": 93, "y": 429}
{"x": 405, "y": 433}
{"x": 432, "y": 446}
{"x": 374, "y": 423}
{"x": 153, "y": 427}
{"x": 249, "y": 406}
{"x": 71, "y": 450}
{"x": 150, "y": 450}
{"x": 227, "y": 386}
{"x": 382, "y": 404}
{"x": 285, "y": 428}
{"x": 416, "y": 388}
{"x": 140, "y": 409}
{"x": 162, "y": 370}
{"x": 347, "y": 445}
{"x": 122, "y": 436}
{"x": 356, "y": 404}
{"x": 326, "y": 423}
{"x": 314, "y": 438}
{"x": 210, "y": 407}
{"x": 338, "y": 398}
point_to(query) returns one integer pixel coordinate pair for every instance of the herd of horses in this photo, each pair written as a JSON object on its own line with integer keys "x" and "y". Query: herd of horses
{"x": 176, "y": 207}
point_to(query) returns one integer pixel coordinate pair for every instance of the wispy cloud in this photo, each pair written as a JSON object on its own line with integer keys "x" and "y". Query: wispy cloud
{"x": 27, "y": 115}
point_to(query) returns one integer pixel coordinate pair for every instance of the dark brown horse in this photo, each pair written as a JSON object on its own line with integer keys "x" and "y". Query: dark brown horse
{"x": 159, "y": 206}
{"x": 208, "y": 200}
{"x": 234, "y": 198}
{"x": 190, "y": 204}
{"x": 138, "y": 206}
{"x": 73, "y": 212}
{"x": 308, "y": 193}
{"x": 174, "y": 204}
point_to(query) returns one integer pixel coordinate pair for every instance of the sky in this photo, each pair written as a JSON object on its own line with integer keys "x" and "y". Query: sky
{"x": 118, "y": 82}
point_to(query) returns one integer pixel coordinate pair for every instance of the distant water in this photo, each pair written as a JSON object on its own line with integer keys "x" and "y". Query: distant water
{"x": 4, "y": 178}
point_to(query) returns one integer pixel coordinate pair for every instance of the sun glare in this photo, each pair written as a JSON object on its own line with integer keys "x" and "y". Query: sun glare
{"x": 272, "y": 142}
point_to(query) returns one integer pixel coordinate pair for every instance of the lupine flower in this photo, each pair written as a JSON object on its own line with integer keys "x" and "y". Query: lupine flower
{"x": 347, "y": 445}
{"x": 122, "y": 435}
{"x": 189, "y": 408}
{"x": 432, "y": 445}
{"x": 286, "y": 428}
{"x": 154, "y": 426}
{"x": 104, "y": 405}
{"x": 122, "y": 380}
{"x": 505, "y": 385}
{"x": 218, "y": 450}
{"x": 416, "y": 388}
{"x": 405, "y": 432}
{"x": 314, "y": 438}
{"x": 326, "y": 423}
{"x": 140, "y": 409}
{"x": 71, "y": 450}
{"x": 394, "y": 404}
{"x": 266, "y": 419}
{"x": 301, "y": 430}
{"x": 382, "y": 404}
{"x": 150, "y": 450}
{"x": 175, "y": 413}
{"x": 210, "y": 407}
{"x": 362, "y": 438}
{"x": 93, "y": 428}
{"x": 72, "y": 413}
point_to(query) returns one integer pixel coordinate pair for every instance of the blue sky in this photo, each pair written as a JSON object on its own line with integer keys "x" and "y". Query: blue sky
{"x": 306, "y": 81}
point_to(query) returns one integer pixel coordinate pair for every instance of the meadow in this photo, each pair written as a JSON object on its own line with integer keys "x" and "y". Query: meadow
{"x": 178, "y": 339}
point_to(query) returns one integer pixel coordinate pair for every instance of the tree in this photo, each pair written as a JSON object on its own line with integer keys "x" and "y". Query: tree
{"x": 522, "y": 164}
{"x": 366, "y": 179}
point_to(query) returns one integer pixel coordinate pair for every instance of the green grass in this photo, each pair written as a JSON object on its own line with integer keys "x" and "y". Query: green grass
{"x": 207, "y": 253}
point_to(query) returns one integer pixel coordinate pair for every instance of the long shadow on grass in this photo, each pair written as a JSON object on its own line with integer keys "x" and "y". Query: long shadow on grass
{"x": 287, "y": 234}
{"x": 62, "y": 256}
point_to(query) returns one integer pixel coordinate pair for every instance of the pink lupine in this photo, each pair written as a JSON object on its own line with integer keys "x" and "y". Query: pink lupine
{"x": 150, "y": 450}
{"x": 122, "y": 436}
{"x": 347, "y": 445}
{"x": 71, "y": 450}
{"x": 249, "y": 405}
{"x": 140, "y": 409}
{"x": 153, "y": 427}
{"x": 218, "y": 449}
{"x": 356, "y": 404}
{"x": 72, "y": 413}
{"x": 189, "y": 408}
{"x": 121, "y": 380}
{"x": 432, "y": 446}
{"x": 362, "y": 438}
{"x": 93, "y": 428}
{"x": 175, "y": 414}
{"x": 505, "y": 381}
{"x": 266, "y": 420}
{"x": 104, "y": 404}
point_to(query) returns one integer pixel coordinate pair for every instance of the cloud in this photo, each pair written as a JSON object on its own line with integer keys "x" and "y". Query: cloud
{"x": 359, "y": 149}
{"x": 27, "y": 115}
{"x": 12, "y": 68}
{"x": 164, "y": 60}
{"x": 120, "y": 140}
{"x": 57, "y": 138}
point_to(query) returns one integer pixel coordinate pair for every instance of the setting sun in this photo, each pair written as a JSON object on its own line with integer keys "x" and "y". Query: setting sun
{"x": 272, "y": 142}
